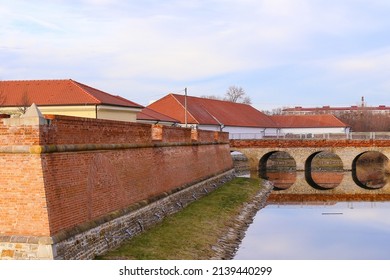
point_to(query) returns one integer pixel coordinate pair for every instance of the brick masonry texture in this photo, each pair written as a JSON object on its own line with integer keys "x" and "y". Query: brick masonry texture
{"x": 109, "y": 235}
{"x": 75, "y": 171}
{"x": 286, "y": 143}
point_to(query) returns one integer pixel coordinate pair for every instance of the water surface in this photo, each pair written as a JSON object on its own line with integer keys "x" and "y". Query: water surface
{"x": 318, "y": 231}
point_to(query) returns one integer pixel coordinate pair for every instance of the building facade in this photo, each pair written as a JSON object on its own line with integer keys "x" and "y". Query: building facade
{"x": 65, "y": 97}
{"x": 209, "y": 114}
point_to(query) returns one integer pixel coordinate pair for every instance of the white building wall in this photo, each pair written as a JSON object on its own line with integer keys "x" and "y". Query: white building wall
{"x": 239, "y": 132}
{"x": 209, "y": 127}
{"x": 325, "y": 130}
{"x": 236, "y": 132}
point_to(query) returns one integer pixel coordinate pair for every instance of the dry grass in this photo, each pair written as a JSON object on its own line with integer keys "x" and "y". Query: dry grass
{"x": 191, "y": 233}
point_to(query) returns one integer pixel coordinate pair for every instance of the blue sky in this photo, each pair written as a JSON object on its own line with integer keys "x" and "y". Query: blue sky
{"x": 281, "y": 52}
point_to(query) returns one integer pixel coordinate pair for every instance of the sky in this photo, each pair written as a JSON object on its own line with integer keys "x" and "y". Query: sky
{"x": 283, "y": 53}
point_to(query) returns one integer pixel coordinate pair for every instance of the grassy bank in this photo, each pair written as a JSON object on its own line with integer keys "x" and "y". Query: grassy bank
{"x": 191, "y": 233}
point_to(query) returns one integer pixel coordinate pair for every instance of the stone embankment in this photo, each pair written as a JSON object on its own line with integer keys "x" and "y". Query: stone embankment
{"x": 241, "y": 164}
{"x": 228, "y": 244}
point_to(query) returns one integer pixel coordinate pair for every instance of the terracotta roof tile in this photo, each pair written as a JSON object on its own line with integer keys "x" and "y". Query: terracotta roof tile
{"x": 57, "y": 92}
{"x": 211, "y": 112}
{"x": 307, "y": 121}
{"x": 151, "y": 115}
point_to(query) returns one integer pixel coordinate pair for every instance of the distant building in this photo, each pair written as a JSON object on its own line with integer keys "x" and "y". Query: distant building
{"x": 242, "y": 121}
{"x": 65, "y": 97}
{"x": 209, "y": 114}
{"x": 381, "y": 109}
{"x": 310, "y": 124}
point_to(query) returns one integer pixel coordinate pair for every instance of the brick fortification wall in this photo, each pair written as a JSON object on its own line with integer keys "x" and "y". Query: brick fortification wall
{"x": 70, "y": 175}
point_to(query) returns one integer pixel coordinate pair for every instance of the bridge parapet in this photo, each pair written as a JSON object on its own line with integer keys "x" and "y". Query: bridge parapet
{"x": 314, "y": 136}
{"x": 307, "y": 143}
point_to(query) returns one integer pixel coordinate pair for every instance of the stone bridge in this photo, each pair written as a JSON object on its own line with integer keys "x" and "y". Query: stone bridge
{"x": 304, "y": 150}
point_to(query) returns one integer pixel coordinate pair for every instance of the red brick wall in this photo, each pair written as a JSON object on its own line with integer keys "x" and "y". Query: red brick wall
{"x": 46, "y": 193}
{"x": 81, "y": 187}
{"x": 22, "y": 196}
{"x": 70, "y": 130}
{"x": 176, "y": 134}
{"x": 19, "y": 135}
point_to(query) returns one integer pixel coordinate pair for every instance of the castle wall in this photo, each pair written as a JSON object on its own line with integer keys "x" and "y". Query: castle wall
{"x": 63, "y": 174}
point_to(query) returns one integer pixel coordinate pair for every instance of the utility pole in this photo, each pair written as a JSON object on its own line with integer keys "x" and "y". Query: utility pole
{"x": 185, "y": 106}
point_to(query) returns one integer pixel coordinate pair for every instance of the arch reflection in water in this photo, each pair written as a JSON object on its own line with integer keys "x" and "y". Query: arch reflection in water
{"x": 279, "y": 168}
{"x": 369, "y": 170}
{"x": 324, "y": 170}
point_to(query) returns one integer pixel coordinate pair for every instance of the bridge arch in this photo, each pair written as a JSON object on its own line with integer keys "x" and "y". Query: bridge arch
{"x": 368, "y": 169}
{"x": 279, "y": 167}
{"x": 348, "y": 150}
{"x": 324, "y": 170}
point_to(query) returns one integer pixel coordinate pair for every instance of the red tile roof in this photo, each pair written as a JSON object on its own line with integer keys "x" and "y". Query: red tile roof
{"x": 151, "y": 115}
{"x": 307, "y": 121}
{"x": 211, "y": 112}
{"x": 57, "y": 92}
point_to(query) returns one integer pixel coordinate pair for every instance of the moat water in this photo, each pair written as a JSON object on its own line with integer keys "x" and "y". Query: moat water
{"x": 323, "y": 231}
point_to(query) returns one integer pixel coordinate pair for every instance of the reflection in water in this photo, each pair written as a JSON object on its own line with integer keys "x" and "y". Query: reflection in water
{"x": 334, "y": 230}
{"x": 321, "y": 230}
{"x": 369, "y": 170}
{"x": 324, "y": 170}
{"x": 327, "y": 179}
{"x": 281, "y": 180}
{"x": 279, "y": 168}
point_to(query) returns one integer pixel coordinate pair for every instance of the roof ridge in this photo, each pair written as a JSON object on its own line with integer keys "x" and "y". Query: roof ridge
{"x": 212, "y": 99}
{"x": 62, "y": 91}
{"x": 36, "y": 80}
{"x": 79, "y": 85}
{"x": 124, "y": 99}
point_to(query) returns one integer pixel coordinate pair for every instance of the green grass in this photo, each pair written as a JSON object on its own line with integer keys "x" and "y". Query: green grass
{"x": 191, "y": 233}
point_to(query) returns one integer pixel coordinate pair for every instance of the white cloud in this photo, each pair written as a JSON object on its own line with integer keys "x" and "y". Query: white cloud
{"x": 182, "y": 42}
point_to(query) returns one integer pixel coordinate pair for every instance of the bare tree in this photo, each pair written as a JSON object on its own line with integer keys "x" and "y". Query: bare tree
{"x": 25, "y": 103}
{"x": 212, "y": 97}
{"x": 237, "y": 94}
{"x": 274, "y": 111}
{"x": 366, "y": 121}
{"x": 2, "y": 97}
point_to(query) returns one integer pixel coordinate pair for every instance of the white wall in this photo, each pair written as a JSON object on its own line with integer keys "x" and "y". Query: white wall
{"x": 313, "y": 130}
{"x": 236, "y": 132}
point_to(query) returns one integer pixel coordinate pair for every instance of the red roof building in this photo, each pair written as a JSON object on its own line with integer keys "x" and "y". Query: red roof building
{"x": 308, "y": 121}
{"x": 66, "y": 97}
{"x": 242, "y": 121}
{"x": 381, "y": 109}
{"x": 211, "y": 114}
{"x": 150, "y": 116}
{"x": 310, "y": 124}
